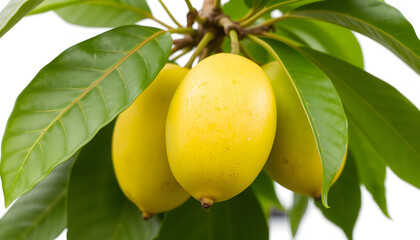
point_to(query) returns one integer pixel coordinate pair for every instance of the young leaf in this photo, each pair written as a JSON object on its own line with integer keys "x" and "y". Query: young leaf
{"x": 239, "y": 218}
{"x": 300, "y": 203}
{"x": 14, "y": 11}
{"x": 93, "y": 13}
{"x": 41, "y": 213}
{"x": 325, "y": 37}
{"x": 345, "y": 198}
{"x": 325, "y": 112}
{"x": 381, "y": 117}
{"x": 97, "y": 209}
{"x": 372, "y": 18}
{"x": 74, "y": 96}
{"x": 263, "y": 187}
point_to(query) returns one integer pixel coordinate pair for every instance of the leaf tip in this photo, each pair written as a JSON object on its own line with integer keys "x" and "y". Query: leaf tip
{"x": 324, "y": 199}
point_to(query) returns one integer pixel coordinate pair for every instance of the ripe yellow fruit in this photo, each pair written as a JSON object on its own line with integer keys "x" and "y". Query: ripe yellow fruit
{"x": 294, "y": 160}
{"x": 220, "y": 127}
{"x": 139, "y": 151}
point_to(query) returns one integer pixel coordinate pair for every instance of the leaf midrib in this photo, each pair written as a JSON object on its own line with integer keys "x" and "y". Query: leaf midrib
{"x": 77, "y": 100}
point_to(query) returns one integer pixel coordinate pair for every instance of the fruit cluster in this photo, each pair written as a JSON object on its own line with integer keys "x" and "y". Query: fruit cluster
{"x": 209, "y": 131}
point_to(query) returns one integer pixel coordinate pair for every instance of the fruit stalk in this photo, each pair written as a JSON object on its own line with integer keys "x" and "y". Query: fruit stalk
{"x": 201, "y": 45}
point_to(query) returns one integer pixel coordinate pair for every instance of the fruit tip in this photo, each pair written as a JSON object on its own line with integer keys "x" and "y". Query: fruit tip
{"x": 206, "y": 202}
{"x": 146, "y": 215}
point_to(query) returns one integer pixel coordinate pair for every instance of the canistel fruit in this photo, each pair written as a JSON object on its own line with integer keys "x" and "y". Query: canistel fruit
{"x": 138, "y": 147}
{"x": 294, "y": 161}
{"x": 220, "y": 127}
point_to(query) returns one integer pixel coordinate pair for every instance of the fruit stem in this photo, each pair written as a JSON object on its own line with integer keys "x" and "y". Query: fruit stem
{"x": 206, "y": 202}
{"x": 234, "y": 42}
{"x": 201, "y": 45}
{"x": 263, "y": 11}
{"x": 170, "y": 14}
{"x": 185, "y": 51}
{"x": 146, "y": 215}
{"x": 217, "y": 5}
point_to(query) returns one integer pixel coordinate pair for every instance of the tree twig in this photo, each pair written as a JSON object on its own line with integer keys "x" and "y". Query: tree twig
{"x": 234, "y": 42}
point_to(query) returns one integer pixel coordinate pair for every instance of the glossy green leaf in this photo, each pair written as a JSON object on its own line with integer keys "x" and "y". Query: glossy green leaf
{"x": 387, "y": 124}
{"x": 14, "y": 11}
{"x": 97, "y": 209}
{"x": 41, "y": 213}
{"x": 325, "y": 37}
{"x": 322, "y": 106}
{"x": 239, "y": 218}
{"x": 97, "y": 13}
{"x": 300, "y": 203}
{"x": 74, "y": 96}
{"x": 371, "y": 167}
{"x": 264, "y": 190}
{"x": 375, "y": 19}
{"x": 345, "y": 198}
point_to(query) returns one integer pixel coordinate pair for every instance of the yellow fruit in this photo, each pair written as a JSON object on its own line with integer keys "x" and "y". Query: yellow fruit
{"x": 220, "y": 127}
{"x": 294, "y": 160}
{"x": 138, "y": 147}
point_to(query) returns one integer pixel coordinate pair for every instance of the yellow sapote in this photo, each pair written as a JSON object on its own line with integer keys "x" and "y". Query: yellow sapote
{"x": 294, "y": 160}
{"x": 220, "y": 127}
{"x": 138, "y": 147}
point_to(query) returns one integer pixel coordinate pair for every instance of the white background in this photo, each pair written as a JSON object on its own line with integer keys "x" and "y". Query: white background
{"x": 36, "y": 40}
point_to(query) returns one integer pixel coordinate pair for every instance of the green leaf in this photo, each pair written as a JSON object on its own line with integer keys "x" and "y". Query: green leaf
{"x": 345, "y": 199}
{"x": 289, "y": 7}
{"x": 371, "y": 167}
{"x": 325, "y": 37}
{"x": 300, "y": 203}
{"x": 325, "y": 112}
{"x": 264, "y": 190}
{"x": 236, "y": 9}
{"x": 373, "y": 18}
{"x": 255, "y": 51}
{"x": 97, "y": 13}
{"x": 41, "y": 213}
{"x": 14, "y": 11}
{"x": 387, "y": 124}
{"x": 74, "y": 96}
{"x": 97, "y": 209}
{"x": 238, "y": 218}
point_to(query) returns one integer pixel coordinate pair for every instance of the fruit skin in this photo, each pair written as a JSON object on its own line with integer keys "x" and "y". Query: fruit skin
{"x": 294, "y": 160}
{"x": 138, "y": 147}
{"x": 220, "y": 127}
